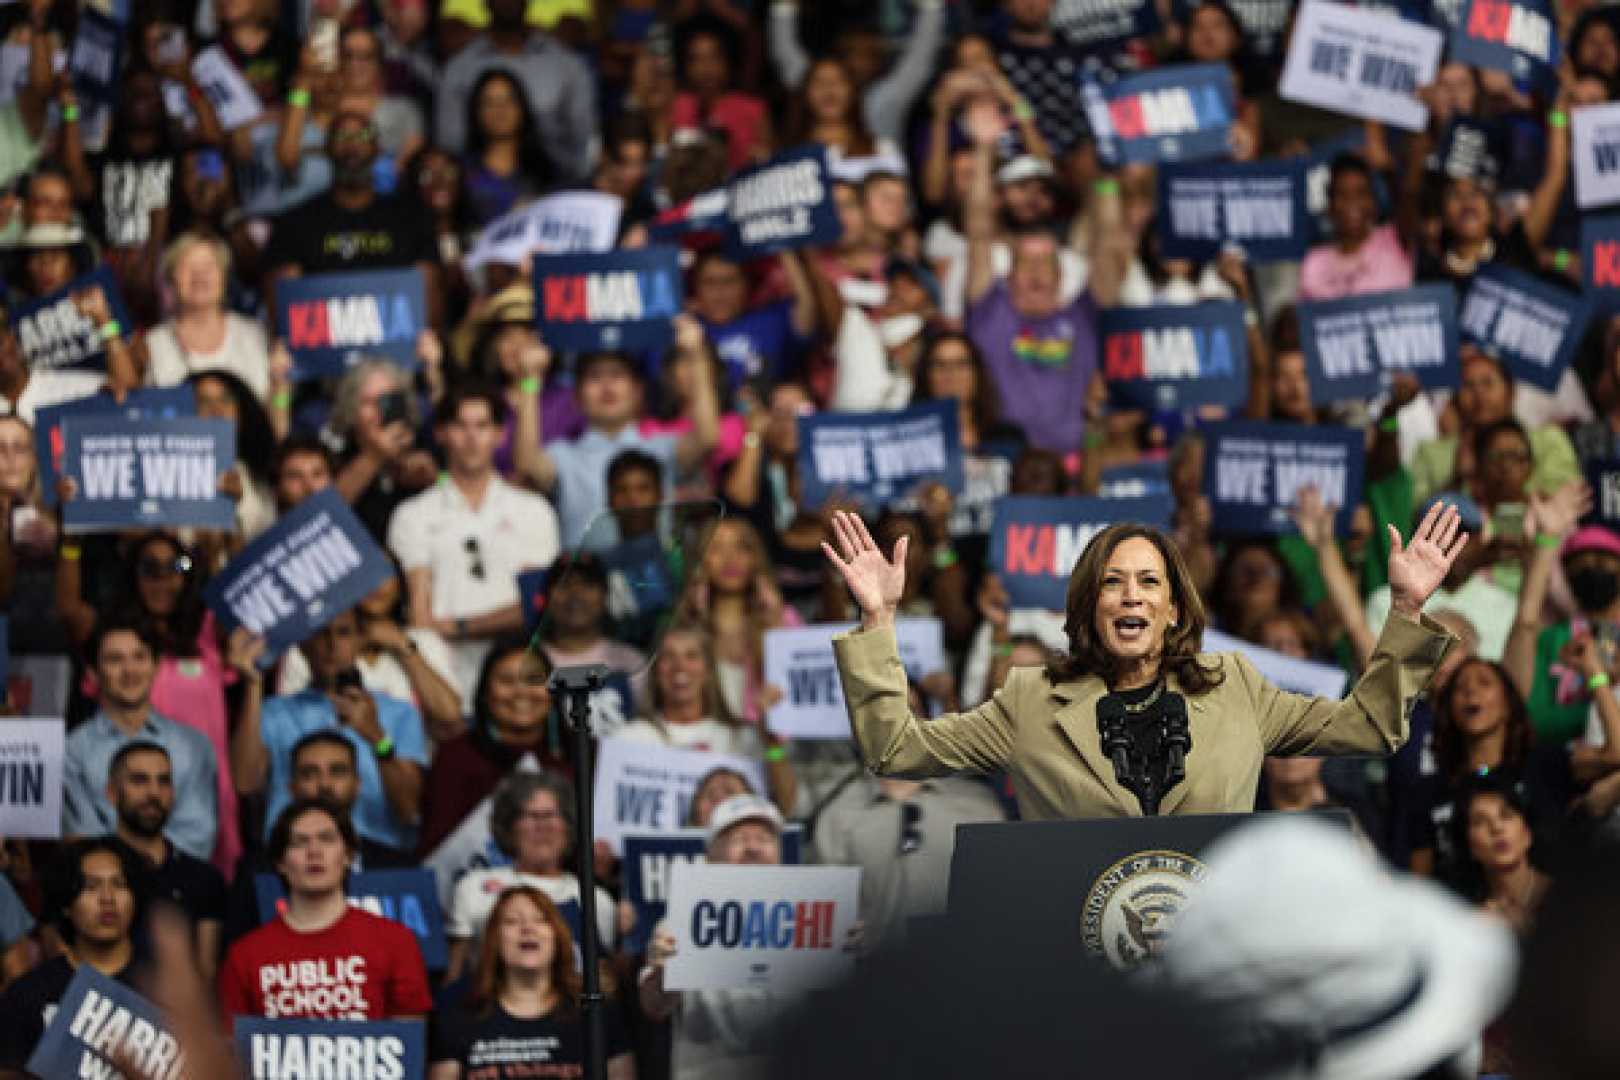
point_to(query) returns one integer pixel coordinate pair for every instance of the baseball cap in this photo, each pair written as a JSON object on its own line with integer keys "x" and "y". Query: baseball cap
{"x": 1590, "y": 538}
{"x": 740, "y": 808}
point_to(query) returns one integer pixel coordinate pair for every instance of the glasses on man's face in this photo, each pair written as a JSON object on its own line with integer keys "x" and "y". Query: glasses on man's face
{"x": 910, "y": 829}
{"x": 152, "y": 567}
{"x": 475, "y": 558}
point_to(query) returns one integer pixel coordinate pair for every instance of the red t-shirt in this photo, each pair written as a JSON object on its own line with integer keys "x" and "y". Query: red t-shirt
{"x": 362, "y": 967}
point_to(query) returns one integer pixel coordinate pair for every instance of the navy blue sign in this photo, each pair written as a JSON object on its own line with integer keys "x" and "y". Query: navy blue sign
{"x": 1258, "y": 206}
{"x": 49, "y": 446}
{"x": 1179, "y": 113}
{"x": 615, "y": 300}
{"x": 99, "y": 1019}
{"x": 316, "y": 562}
{"x": 331, "y": 322}
{"x": 1135, "y": 481}
{"x": 1532, "y": 325}
{"x": 1253, "y": 472}
{"x": 147, "y": 472}
{"x": 874, "y": 457}
{"x": 1263, "y": 21}
{"x": 1175, "y": 356}
{"x": 1468, "y": 150}
{"x": 280, "y": 1049}
{"x": 1603, "y": 477}
{"x": 409, "y": 897}
{"x": 705, "y": 213}
{"x": 647, "y": 860}
{"x": 1600, "y": 260}
{"x": 640, "y": 577}
{"x": 1097, "y": 24}
{"x": 53, "y": 334}
{"x": 532, "y": 595}
{"x": 1036, "y": 540}
{"x": 94, "y": 61}
{"x": 1354, "y": 344}
{"x": 1519, "y": 37}
{"x": 785, "y": 203}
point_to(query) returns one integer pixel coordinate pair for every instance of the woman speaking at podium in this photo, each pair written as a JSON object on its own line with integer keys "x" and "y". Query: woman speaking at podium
{"x": 1134, "y": 720}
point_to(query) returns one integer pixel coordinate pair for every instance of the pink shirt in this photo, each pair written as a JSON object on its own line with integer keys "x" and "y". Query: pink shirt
{"x": 740, "y": 116}
{"x": 733, "y": 429}
{"x": 1379, "y": 266}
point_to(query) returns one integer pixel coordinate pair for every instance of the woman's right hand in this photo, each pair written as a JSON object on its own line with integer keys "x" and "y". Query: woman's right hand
{"x": 876, "y": 583}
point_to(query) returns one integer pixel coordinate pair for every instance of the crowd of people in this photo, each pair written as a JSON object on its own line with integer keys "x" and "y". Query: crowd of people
{"x": 983, "y": 232}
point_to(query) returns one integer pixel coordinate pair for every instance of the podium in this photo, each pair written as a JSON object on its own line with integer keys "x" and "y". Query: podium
{"x": 1113, "y": 885}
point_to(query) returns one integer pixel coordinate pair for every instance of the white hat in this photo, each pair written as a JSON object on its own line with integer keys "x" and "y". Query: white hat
{"x": 1353, "y": 972}
{"x": 740, "y": 808}
{"x": 47, "y": 235}
{"x": 1024, "y": 167}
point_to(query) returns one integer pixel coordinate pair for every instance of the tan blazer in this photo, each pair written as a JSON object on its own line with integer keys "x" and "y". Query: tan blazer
{"x": 1046, "y": 736}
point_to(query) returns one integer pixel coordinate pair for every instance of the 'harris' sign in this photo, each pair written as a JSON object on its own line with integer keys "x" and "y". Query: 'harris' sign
{"x": 331, "y": 1049}
{"x": 1533, "y": 325}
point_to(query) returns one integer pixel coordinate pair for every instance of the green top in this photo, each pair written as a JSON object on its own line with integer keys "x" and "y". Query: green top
{"x": 1554, "y": 723}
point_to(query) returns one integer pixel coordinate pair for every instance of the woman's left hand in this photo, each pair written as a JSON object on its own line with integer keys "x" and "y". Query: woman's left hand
{"x": 1417, "y": 568}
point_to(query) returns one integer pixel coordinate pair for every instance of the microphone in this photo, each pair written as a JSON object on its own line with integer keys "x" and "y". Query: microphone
{"x": 1116, "y": 742}
{"x": 1176, "y": 739}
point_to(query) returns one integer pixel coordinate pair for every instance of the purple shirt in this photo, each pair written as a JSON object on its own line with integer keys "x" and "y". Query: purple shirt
{"x": 1041, "y": 366}
{"x": 560, "y": 418}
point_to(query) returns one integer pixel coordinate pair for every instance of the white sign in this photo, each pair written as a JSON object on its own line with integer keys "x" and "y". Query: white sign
{"x": 1288, "y": 673}
{"x": 31, "y": 778}
{"x": 567, "y": 223}
{"x": 228, "y": 91}
{"x": 784, "y": 929}
{"x": 800, "y": 663}
{"x": 1595, "y": 131}
{"x": 1361, "y": 63}
{"x": 646, "y": 788}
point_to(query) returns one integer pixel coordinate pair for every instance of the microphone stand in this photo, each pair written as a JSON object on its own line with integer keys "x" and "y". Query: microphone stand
{"x": 573, "y": 686}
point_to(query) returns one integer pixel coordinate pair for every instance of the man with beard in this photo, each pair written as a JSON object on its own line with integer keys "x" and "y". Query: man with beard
{"x": 351, "y": 227}
{"x": 140, "y": 785}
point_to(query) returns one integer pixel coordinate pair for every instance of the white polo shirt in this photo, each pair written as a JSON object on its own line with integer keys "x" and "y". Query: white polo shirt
{"x": 475, "y": 555}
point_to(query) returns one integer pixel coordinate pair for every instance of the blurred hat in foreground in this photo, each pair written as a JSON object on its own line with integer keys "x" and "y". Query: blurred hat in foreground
{"x": 1332, "y": 968}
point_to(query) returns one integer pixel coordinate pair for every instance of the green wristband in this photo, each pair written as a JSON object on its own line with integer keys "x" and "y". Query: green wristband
{"x": 1598, "y": 681}
{"x": 1106, "y": 186}
{"x": 383, "y": 748}
{"x": 282, "y": 399}
{"x": 1547, "y": 540}
{"x": 529, "y": 384}
{"x": 775, "y": 754}
{"x": 111, "y": 330}
{"x": 1561, "y": 259}
{"x": 1390, "y": 424}
{"x": 1558, "y": 118}
{"x": 298, "y": 98}
{"x": 70, "y": 114}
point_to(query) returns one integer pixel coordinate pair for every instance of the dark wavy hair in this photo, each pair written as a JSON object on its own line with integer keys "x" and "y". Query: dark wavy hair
{"x": 255, "y": 438}
{"x": 63, "y": 880}
{"x": 1450, "y": 751}
{"x": 533, "y": 161}
{"x": 1087, "y": 656}
{"x": 986, "y": 402}
{"x": 1468, "y": 876}
{"x": 180, "y": 636}
{"x": 801, "y": 121}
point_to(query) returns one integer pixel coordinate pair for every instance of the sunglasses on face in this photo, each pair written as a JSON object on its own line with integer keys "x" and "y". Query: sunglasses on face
{"x": 153, "y": 568}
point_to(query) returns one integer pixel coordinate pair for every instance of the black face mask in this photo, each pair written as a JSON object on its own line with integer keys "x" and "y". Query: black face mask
{"x": 1595, "y": 589}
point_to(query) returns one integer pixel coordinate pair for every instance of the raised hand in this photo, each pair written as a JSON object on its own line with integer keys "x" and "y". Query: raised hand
{"x": 1556, "y": 515}
{"x": 1314, "y": 517}
{"x": 1417, "y": 568}
{"x": 875, "y": 582}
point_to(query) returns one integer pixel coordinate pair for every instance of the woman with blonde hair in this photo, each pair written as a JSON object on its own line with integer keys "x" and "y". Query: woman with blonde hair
{"x": 526, "y": 1002}
{"x": 200, "y": 334}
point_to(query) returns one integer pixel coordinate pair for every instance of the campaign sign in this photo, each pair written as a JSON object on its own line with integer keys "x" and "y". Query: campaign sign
{"x": 705, "y": 213}
{"x": 1600, "y": 260}
{"x": 94, "y": 59}
{"x": 1361, "y": 63}
{"x": 1178, "y": 113}
{"x": 232, "y": 96}
{"x": 1352, "y": 345}
{"x": 147, "y": 472}
{"x": 1095, "y": 24}
{"x": 316, "y": 562}
{"x": 532, "y": 595}
{"x": 31, "y": 778}
{"x": 875, "y": 457}
{"x": 1603, "y": 477}
{"x": 1135, "y": 481}
{"x": 1264, "y": 22}
{"x": 53, "y": 334}
{"x": 647, "y": 787}
{"x": 1175, "y": 356}
{"x": 1254, "y": 470}
{"x": 352, "y": 1049}
{"x": 782, "y": 929}
{"x": 1595, "y": 142}
{"x": 800, "y": 662}
{"x": 617, "y": 300}
{"x": 1036, "y": 540}
{"x": 333, "y": 321}
{"x": 1534, "y": 326}
{"x": 146, "y": 403}
{"x": 1308, "y": 677}
{"x": 783, "y": 204}
{"x": 569, "y": 221}
{"x": 1519, "y": 37}
{"x": 99, "y": 1019}
{"x": 409, "y": 897}
{"x": 1257, "y": 206}
{"x": 647, "y": 859}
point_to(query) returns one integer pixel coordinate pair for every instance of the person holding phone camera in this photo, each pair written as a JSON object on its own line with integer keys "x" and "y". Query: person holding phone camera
{"x": 387, "y": 734}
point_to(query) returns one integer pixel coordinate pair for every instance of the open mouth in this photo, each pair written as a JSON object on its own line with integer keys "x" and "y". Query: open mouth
{"x": 1130, "y": 627}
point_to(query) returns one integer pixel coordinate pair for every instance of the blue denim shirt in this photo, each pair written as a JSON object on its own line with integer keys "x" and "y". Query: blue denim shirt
{"x": 286, "y": 719}
{"x": 89, "y": 750}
